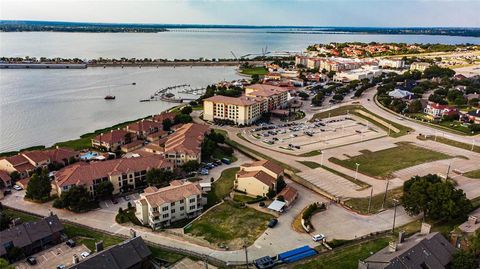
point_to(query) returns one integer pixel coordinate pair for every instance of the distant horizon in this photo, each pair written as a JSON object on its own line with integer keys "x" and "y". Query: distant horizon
{"x": 236, "y": 25}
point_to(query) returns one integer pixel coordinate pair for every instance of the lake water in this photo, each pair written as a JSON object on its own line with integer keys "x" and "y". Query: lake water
{"x": 41, "y": 107}
{"x": 185, "y": 45}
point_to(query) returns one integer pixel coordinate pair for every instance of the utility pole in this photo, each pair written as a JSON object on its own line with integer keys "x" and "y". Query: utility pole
{"x": 448, "y": 171}
{"x": 370, "y": 200}
{"x": 205, "y": 261}
{"x": 473, "y": 144}
{"x": 395, "y": 203}
{"x": 385, "y": 196}
{"x": 321, "y": 160}
{"x": 246, "y": 255}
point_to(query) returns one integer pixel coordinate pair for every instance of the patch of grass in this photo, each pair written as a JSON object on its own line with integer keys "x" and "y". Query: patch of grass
{"x": 222, "y": 187}
{"x": 230, "y": 224}
{"x": 23, "y": 216}
{"x": 311, "y": 153}
{"x": 453, "y": 143}
{"x": 457, "y": 126}
{"x": 241, "y": 198}
{"x": 360, "y": 205}
{"x": 128, "y": 215}
{"x": 473, "y": 174}
{"x": 170, "y": 257}
{"x": 310, "y": 164}
{"x": 346, "y": 257}
{"x": 383, "y": 163}
{"x": 260, "y": 70}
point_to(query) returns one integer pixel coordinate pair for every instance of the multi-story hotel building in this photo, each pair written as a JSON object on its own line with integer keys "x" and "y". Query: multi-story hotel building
{"x": 160, "y": 207}
{"x": 246, "y": 109}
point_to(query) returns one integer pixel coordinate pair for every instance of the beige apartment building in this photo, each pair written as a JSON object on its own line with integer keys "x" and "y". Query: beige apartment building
{"x": 160, "y": 207}
{"x": 258, "y": 178}
{"x": 185, "y": 144}
{"x": 420, "y": 66}
{"x": 246, "y": 109}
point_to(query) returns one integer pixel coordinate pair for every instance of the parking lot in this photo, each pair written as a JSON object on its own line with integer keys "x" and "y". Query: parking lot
{"x": 309, "y": 136}
{"x": 53, "y": 257}
{"x": 120, "y": 202}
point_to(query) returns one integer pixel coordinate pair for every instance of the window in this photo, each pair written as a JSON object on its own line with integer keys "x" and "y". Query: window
{"x": 165, "y": 216}
{"x": 172, "y": 204}
{"x": 182, "y": 208}
{"x": 182, "y": 201}
{"x": 192, "y": 200}
{"x": 173, "y": 211}
{"x": 154, "y": 209}
{"x": 192, "y": 207}
{"x": 165, "y": 208}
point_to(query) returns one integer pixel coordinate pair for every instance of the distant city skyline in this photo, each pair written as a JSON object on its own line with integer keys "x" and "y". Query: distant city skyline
{"x": 375, "y": 13}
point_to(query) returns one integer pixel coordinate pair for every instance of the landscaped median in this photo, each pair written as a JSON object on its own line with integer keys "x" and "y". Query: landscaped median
{"x": 382, "y": 163}
{"x": 450, "y": 142}
{"x": 360, "y": 205}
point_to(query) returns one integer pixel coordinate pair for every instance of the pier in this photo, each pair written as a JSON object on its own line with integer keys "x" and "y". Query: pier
{"x": 165, "y": 95}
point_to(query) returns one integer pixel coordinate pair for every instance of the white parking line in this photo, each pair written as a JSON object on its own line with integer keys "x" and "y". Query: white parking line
{"x": 106, "y": 204}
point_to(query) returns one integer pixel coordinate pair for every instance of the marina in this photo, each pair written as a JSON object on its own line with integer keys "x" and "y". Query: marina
{"x": 166, "y": 94}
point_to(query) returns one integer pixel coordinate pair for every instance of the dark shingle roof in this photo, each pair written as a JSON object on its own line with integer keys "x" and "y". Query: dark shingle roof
{"x": 121, "y": 256}
{"x": 418, "y": 251}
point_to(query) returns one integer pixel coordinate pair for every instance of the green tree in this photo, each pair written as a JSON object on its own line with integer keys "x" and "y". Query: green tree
{"x": 182, "y": 118}
{"x": 5, "y": 220}
{"x": 415, "y": 106}
{"x": 104, "y": 190}
{"x": 166, "y": 124}
{"x": 76, "y": 199}
{"x": 190, "y": 166}
{"x": 5, "y": 265}
{"x": 159, "y": 177}
{"x": 39, "y": 187}
{"x": 280, "y": 184}
{"x": 255, "y": 78}
{"x": 464, "y": 260}
{"x": 303, "y": 95}
{"x": 15, "y": 176}
{"x": 186, "y": 110}
{"x": 436, "y": 199}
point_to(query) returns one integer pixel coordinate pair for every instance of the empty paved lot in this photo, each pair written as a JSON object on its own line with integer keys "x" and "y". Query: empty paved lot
{"x": 52, "y": 257}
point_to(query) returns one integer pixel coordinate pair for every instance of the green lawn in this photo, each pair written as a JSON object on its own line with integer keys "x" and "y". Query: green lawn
{"x": 473, "y": 174}
{"x": 241, "y": 198}
{"x": 383, "y": 163}
{"x": 230, "y": 225}
{"x": 222, "y": 187}
{"x": 361, "y": 204}
{"x": 347, "y": 257}
{"x": 443, "y": 140}
{"x": 254, "y": 71}
{"x": 311, "y": 153}
{"x": 456, "y": 126}
{"x": 310, "y": 164}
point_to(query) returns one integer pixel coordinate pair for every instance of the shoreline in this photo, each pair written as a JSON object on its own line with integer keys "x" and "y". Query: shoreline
{"x": 82, "y": 136}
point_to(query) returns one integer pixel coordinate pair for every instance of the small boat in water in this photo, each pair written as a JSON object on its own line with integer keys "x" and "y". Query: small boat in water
{"x": 110, "y": 97}
{"x": 134, "y": 83}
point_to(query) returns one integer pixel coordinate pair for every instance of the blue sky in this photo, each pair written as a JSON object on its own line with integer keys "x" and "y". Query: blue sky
{"x": 386, "y": 13}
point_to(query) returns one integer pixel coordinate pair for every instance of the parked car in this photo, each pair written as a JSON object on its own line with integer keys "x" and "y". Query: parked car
{"x": 318, "y": 237}
{"x": 70, "y": 243}
{"x": 127, "y": 198}
{"x": 31, "y": 260}
{"x": 225, "y": 161}
{"x": 17, "y": 188}
{"x": 7, "y": 192}
{"x": 61, "y": 266}
{"x": 272, "y": 223}
{"x": 204, "y": 172}
{"x": 114, "y": 201}
{"x": 84, "y": 254}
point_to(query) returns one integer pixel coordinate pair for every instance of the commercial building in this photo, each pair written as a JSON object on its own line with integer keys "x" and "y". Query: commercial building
{"x": 358, "y": 74}
{"x": 124, "y": 174}
{"x": 185, "y": 144}
{"x": 160, "y": 207}
{"x": 33, "y": 236}
{"x": 392, "y": 63}
{"x": 418, "y": 251}
{"x": 130, "y": 254}
{"x": 419, "y": 66}
{"x": 258, "y": 178}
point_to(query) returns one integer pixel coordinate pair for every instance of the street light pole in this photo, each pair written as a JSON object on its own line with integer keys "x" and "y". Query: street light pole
{"x": 356, "y": 171}
{"x": 473, "y": 144}
{"x": 246, "y": 255}
{"x": 370, "y": 200}
{"x": 321, "y": 160}
{"x": 385, "y": 196}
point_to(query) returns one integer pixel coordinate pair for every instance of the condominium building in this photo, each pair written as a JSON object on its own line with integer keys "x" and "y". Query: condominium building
{"x": 124, "y": 174}
{"x": 258, "y": 178}
{"x": 112, "y": 140}
{"x": 185, "y": 144}
{"x": 392, "y": 63}
{"x": 246, "y": 109}
{"x": 160, "y": 207}
{"x": 420, "y": 66}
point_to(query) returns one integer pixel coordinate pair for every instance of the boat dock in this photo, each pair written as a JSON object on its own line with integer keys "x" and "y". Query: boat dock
{"x": 165, "y": 95}
{"x": 41, "y": 66}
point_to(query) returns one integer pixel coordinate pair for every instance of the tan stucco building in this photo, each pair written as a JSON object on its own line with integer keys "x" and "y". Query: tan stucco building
{"x": 257, "y": 178}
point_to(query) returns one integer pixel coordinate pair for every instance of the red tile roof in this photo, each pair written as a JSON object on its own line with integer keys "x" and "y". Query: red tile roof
{"x": 288, "y": 193}
{"x": 144, "y": 126}
{"x": 5, "y": 177}
{"x": 186, "y": 139}
{"x": 60, "y": 154}
{"x": 172, "y": 193}
{"x": 259, "y": 175}
{"x": 81, "y": 173}
{"x": 36, "y": 156}
{"x": 277, "y": 169}
{"x": 17, "y": 160}
{"x": 114, "y": 136}
{"x": 166, "y": 115}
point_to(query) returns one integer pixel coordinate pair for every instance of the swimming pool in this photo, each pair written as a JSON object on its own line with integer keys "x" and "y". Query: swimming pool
{"x": 89, "y": 155}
